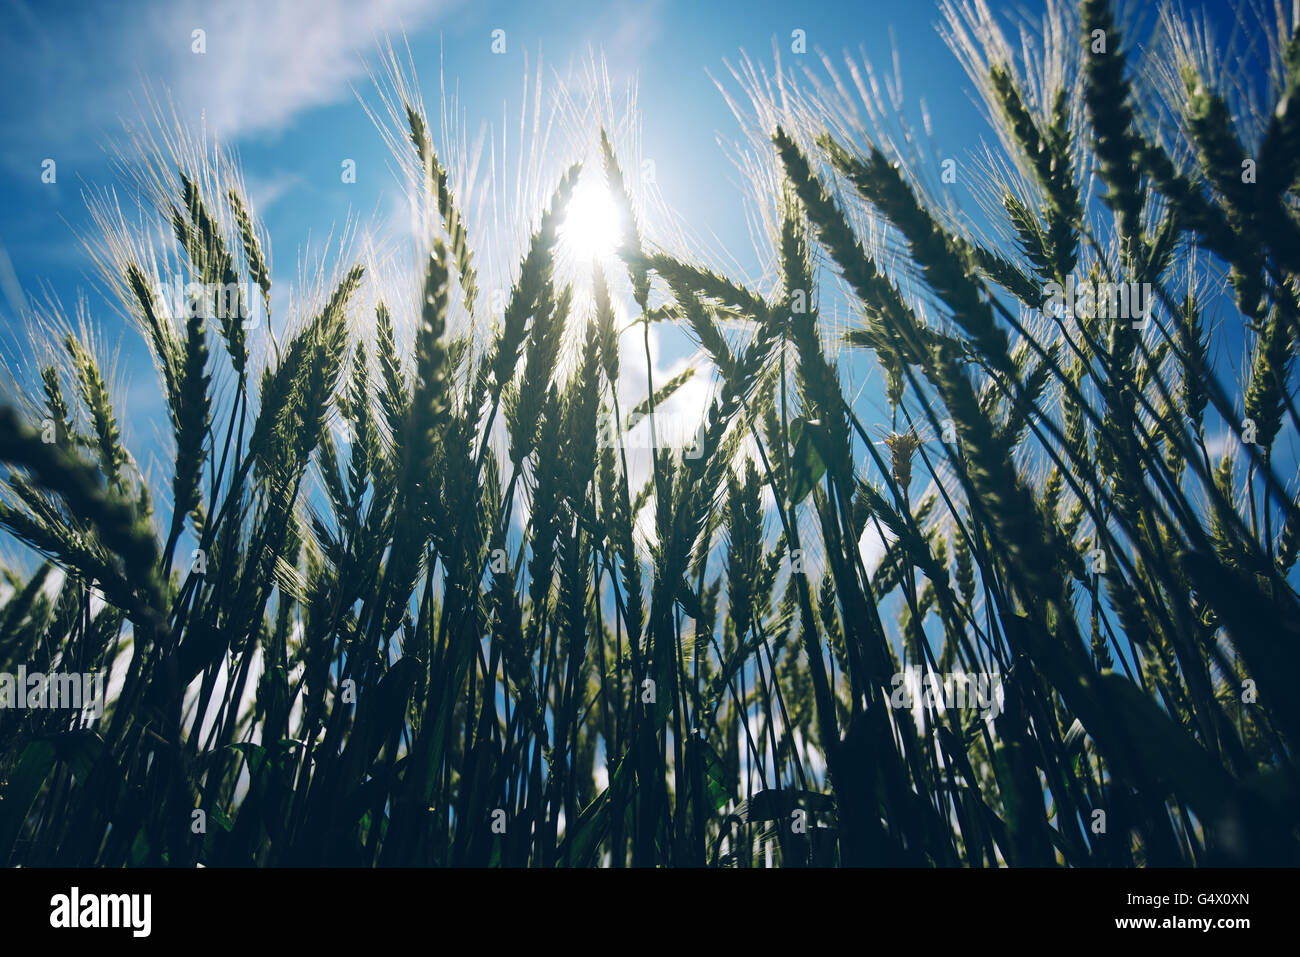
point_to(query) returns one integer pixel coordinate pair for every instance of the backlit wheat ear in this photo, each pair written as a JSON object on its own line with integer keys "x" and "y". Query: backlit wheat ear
{"x": 436, "y": 602}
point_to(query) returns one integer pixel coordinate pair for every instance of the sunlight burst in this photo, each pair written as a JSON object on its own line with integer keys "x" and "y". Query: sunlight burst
{"x": 592, "y": 225}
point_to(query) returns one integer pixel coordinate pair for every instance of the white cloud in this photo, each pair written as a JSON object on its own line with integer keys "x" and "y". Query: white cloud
{"x": 639, "y": 28}
{"x": 872, "y": 545}
{"x": 265, "y": 62}
{"x": 1218, "y": 443}
{"x": 263, "y": 192}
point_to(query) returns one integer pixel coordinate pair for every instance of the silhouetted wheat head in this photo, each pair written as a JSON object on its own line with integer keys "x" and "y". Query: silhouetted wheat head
{"x": 409, "y": 597}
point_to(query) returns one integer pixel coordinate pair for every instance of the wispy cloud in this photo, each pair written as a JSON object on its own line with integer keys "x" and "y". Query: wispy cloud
{"x": 638, "y": 27}
{"x": 263, "y": 62}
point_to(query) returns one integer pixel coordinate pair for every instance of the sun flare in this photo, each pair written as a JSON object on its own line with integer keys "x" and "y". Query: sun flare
{"x": 592, "y": 224}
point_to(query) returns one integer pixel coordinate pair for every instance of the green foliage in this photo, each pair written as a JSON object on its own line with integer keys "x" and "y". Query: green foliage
{"x": 357, "y": 652}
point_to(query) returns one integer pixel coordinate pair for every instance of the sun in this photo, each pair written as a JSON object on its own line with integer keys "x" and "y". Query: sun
{"x": 592, "y": 224}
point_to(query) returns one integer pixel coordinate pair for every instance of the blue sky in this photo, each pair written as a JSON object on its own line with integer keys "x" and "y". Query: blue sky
{"x": 280, "y": 82}
{"x": 280, "y": 79}
{"x": 279, "y": 76}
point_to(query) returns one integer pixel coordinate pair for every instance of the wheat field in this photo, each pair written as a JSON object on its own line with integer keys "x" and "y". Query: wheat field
{"x": 432, "y": 580}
